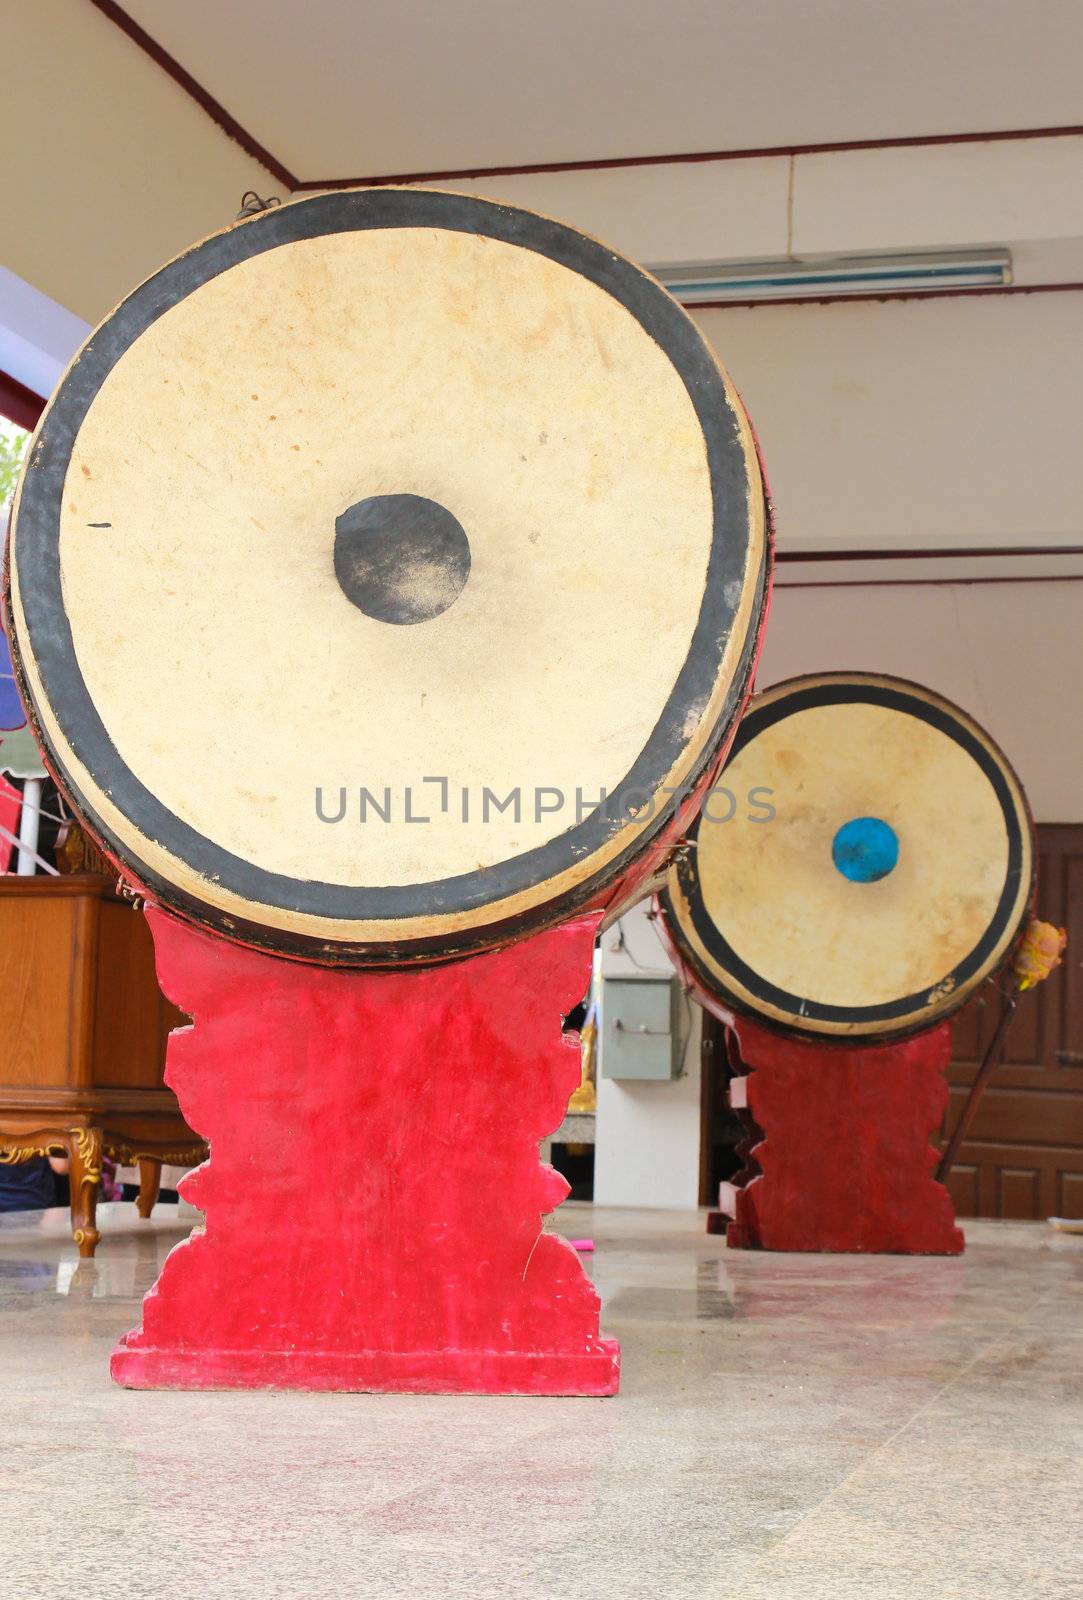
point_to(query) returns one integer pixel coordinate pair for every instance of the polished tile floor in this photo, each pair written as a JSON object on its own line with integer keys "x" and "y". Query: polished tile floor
{"x": 789, "y": 1428}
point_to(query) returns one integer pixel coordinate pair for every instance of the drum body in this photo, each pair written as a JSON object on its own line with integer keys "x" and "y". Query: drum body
{"x": 865, "y": 864}
{"x": 386, "y": 576}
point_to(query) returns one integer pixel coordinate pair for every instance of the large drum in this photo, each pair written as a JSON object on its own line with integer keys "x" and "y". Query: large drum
{"x": 867, "y": 862}
{"x": 363, "y": 550}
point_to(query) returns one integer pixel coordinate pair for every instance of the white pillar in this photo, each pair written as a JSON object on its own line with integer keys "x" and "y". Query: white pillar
{"x": 646, "y": 1150}
{"x": 29, "y": 822}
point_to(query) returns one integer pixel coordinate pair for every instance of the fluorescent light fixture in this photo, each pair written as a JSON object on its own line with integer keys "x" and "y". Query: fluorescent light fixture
{"x": 827, "y": 277}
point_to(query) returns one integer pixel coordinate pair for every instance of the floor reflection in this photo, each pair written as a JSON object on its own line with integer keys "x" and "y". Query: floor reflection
{"x": 787, "y": 1425}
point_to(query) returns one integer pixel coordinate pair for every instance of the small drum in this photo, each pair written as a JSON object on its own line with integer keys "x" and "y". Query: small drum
{"x": 866, "y": 863}
{"x": 386, "y": 574}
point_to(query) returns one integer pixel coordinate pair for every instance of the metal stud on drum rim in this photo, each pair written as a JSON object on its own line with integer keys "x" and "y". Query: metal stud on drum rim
{"x": 893, "y": 878}
{"x": 379, "y": 489}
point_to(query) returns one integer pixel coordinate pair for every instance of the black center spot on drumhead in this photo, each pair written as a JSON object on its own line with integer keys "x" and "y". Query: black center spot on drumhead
{"x": 401, "y": 558}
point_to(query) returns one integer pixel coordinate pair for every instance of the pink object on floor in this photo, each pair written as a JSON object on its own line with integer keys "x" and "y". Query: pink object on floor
{"x": 373, "y": 1197}
{"x": 582, "y": 1244}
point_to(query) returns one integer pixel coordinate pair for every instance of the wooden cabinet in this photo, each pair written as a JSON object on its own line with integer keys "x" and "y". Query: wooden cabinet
{"x": 83, "y": 1028}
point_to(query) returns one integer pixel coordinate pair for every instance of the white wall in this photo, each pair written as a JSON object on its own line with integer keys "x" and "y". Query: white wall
{"x": 646, "y": 1149}
{"x": 917, "y": 422}
{"x": 928, "y": 425}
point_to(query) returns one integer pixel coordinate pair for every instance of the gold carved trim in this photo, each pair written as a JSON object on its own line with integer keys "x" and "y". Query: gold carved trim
{"x": 88, "y": 1145}
{"x": 87, "y": 1148}
{"x": 126, "y": 1152}
{"x": 42, "y": 1142}
{"x": 11, "y": 1155}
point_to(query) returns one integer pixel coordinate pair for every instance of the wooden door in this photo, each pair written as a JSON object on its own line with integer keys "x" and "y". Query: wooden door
{"x": 1024, "y": 1155}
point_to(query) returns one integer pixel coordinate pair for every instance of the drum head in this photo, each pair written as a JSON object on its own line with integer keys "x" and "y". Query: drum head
{"x": 870, "y": 863}
{"x": 360, "y": 512}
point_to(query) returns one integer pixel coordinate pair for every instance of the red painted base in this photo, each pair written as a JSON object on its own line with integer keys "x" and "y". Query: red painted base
{"x": 11, "y": 803}
{"x": 374, "y": 1195}
{"x": 838, "y": 1155}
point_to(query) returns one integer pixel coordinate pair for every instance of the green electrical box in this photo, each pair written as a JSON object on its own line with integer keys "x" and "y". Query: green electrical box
{"x": 639, "y": 1028}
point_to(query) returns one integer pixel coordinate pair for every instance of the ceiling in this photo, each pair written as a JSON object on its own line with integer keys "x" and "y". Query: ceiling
{"x": 366, "y": 88}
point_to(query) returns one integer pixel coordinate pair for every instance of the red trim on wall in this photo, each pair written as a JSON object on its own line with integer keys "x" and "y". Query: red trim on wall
{"x": 687, "y": 157}
{"x": 206, "y": 101}
{"x": 229, "y": 124}
{"x": 18, "y": 403}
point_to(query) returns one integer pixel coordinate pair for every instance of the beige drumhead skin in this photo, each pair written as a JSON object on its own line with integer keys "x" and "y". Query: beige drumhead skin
{"x": 233, "y": 674}
{"x": 770, "y": 923}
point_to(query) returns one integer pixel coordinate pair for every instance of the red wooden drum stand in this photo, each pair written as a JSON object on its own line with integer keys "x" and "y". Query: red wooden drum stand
{"x": 374, "y": 1195}
{"x": 838, "y": 1154}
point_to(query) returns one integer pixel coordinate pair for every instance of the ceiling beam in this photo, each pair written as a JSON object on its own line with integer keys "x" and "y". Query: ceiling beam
{"x": 685, "y": 157}
{"x": 289, "y": 180}
{"x": 202, "y": 97}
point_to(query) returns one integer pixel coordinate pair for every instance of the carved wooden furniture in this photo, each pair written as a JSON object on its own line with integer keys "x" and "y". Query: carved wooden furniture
{"x": 83, "y": 1027}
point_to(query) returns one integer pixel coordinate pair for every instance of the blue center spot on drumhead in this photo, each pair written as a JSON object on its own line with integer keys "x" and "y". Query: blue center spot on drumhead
{"x": 401, "y": 558}
{"x": 865, "y": 849}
